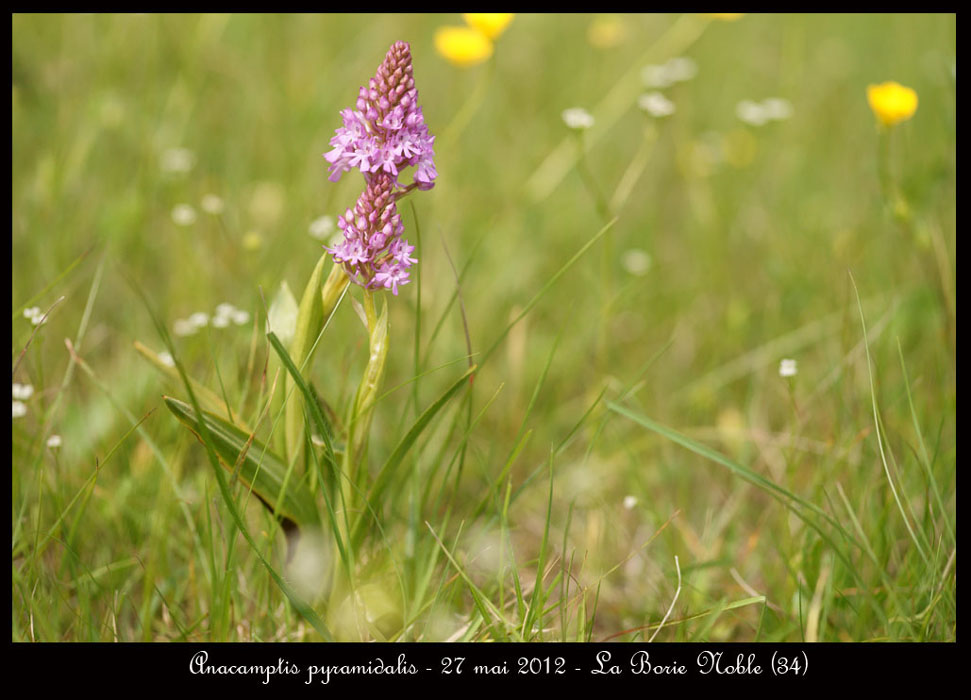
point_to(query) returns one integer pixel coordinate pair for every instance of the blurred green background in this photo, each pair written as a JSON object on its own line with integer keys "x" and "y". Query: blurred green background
{"x": 733, "y": 249}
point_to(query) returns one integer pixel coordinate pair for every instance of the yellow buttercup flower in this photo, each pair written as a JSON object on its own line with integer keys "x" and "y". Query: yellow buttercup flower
{"x": 892, "y": 102}
{"x": 463, "y": 46}
{"x": 606, "y": 31}
{"x": 492, "y": 24}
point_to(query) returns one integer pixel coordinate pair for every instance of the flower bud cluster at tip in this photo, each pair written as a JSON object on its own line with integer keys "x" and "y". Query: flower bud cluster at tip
{"x": 386, "y": 132}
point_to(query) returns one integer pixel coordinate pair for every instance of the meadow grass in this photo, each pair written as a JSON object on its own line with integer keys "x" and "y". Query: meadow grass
{"x": 581, "y": 432}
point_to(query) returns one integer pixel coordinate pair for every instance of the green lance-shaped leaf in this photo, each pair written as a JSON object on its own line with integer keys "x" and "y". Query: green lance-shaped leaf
{"x": 367, "y": 392}
{"x": 208, "y": 400}
{"x": 317, "y": 419}
{"x": 310, "y": 321}
{"x": 312, "y": 317}
{"x": 263, "y": 472}
{"x": 333, "y": 291}
{"x": 281, "y": 319}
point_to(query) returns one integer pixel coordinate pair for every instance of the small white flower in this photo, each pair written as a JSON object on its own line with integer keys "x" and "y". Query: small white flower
{"x": 322, "y": 228}
{"x": 19, "y": 409}
{"x": 681, "y": 69}
{"x": 35, "y": 315}
{"x": 240, "y": 317}
{"x": 655, "y": 76}
{"x": 183, "y": 215}
{"x": 178, "y": 160}
{"x": 577, "y": 118}
{"x": 199, "y": 319}
{"x": 184, "y": 327}
{"x": 656, "y": 104}
{"x": 630, "y": 502}
{"x": 166, "y": 359}
{"x": 758, "y": 113}
{"x": 787, "y": 368}
{"x": 776, "y": 108}
{"x": 751, "y": 113}
{"x": 225, "y": 309}
{"x": 212, "y": 204}
{"x": 677, "y": 70}
{"x": 54, "y": 441}
{"x": 22, "y": 391}
{"x": 220, "y": 321}
{"x": 636, "y": 261}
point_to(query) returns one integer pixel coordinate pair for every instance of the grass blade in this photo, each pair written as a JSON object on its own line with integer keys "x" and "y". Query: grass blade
{"x": 876, "y": 425}
{"x": 262, "y": 471}
{"x": 316, "y": 416}
{"x": 749, "y": 475}
{"x": 208, "y": 399}
{"x": 387, "y": 471}
{"x": 546, "y": 287}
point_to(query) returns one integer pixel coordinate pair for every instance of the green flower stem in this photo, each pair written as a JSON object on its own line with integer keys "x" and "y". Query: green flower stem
{"x": 469, "y": 108}
{"x": 362, "y": 409}
{"x": 606, "y": 252}
{"x": 369, "y": 310}
{"x": 922, "y": 235}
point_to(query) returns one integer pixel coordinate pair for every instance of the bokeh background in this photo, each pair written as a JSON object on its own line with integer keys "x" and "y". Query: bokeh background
{"x": 181, "y": 154}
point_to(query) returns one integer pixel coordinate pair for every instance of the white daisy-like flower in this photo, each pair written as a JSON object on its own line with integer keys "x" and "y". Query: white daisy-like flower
{"x": 19, "y": 409}
{"x": 54, "y": 441}
{"x": 178, "y": 160}
{"x": 199, "y": 319}
{"x": 240, "y": 317}
{"x": 226, "y": 313}
{"x": 212, "y": 204}
{"x": 22, "y": 391}
{"x": 577, "y": 118}
{"x": 681, "y": 69}
{"x": 183, "y": 214}
{"x": 777, "y": 108}
{"x": 636, "y": 261}
{"x": 656, "y": 104}
{"x": 677, "y": 70}
{"x": 656, "y": 76}
{"x": 788, "y": 368}
{"x": 35, "y": 315}
{"x": 751, "y": 113}
{"x": 769, "y": 109}
{"x": 630, "y": 502}
{"x": 183, "y": 327}
{"x": 322, "y": 228}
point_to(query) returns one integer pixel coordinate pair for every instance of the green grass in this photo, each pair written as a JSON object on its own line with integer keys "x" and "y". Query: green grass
{"x": 568, "y": 442}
